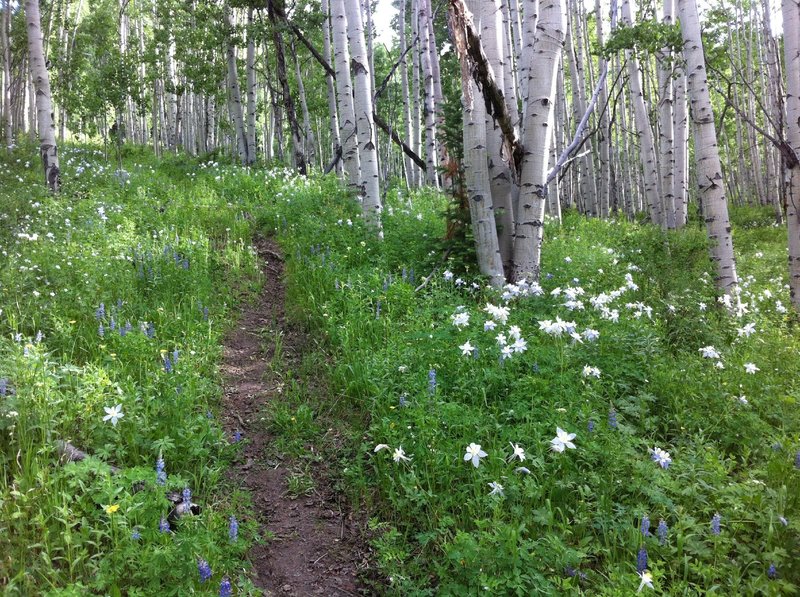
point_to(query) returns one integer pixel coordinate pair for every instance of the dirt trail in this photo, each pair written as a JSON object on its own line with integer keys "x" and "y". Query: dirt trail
{"x": 313, "y": 549}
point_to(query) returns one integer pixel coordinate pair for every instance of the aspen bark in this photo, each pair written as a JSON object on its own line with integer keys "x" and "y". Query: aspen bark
{"x": 791, "y": 48}
{"x": 408, "y": 163}
{"x": 428, "y": 98}
{"x": 538, "y": 124}
{"x": 711, "y": 190}
{"x": 332, "y": 112}
{"x": 681, "y": 142}
{"x": 367, "y": 151}
{"x": 44, "y": 104}
{"x": 344, "y": 93}
{"x": 234, "y": 92}
{"x": 5, "y": 28}
{"x": 252, "y": 89}
{"x": 665, "y": 124}
{"x": 644, "y": 130}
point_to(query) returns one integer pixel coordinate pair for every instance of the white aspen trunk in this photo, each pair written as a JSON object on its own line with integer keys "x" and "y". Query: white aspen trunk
{"x": 681, "y": 143}
{"x": 408, "y": 163}
{"x": 643, "y": 129}
{"x": 5, "y": 28}
{"x": 791, "y": 48}
{"x": 665, "y": 125}
{"x": 252, "y": 89}
{"x": 429, "y": 106}
{"x": 367, "y": 152}
{"x": 516, "y": 30}
{"x": 416, "y": 91}
{"x": 332, "y": 113}
{"x": 604, "y": 133}
{"x": 510, "y": 82}
{"x": 530, "y": 13}
{"x": 476, "y": 159}
{"x": 438, "y": 97}
{"x": 711, "y": 190}
{"x": 171, "y": 97}
{"x": 44, "y": 105}
{"x": 234, "y": 92}
{"x": 488, "y": 20}
{"x": 309, "y": 143}
{"x": 538, "y": 125}
{"x": 774, "y": 84}
{"x": 344, "y": 92}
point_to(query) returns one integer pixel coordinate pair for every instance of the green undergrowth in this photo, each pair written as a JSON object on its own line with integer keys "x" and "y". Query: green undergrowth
{"x": 416, "y": 371}
{"x": 114, "y": 297}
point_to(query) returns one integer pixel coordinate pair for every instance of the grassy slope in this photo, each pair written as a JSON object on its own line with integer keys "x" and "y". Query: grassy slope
{"x": 574, "y": 521}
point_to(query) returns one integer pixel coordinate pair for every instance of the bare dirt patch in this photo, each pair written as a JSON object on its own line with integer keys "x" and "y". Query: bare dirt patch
{"x": 312, "y": 545}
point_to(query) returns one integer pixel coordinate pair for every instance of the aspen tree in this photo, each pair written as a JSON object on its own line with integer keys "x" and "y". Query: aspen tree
{"x": 791, "y": 48}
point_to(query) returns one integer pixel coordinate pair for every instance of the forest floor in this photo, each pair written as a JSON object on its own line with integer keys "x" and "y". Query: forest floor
{"x": 310, "y": 540}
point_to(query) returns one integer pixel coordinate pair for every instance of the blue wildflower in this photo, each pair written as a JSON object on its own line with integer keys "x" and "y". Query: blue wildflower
{"x": 237, "y": 437}
{"x": 612, "y": 418}
{"x": 225, "y": 589}
{"x": 185, "y": 264}
{"x": 175, "y": 355}
{"x": 150, "y": 331}
{"x": 233, "y": 528}
{"x": 187, "y": 496}
{"x": 715, "y": 520}
{"x": 167, "y": 365}
{"x": 772, "y": 572}
{"x": 39, "y": 336}
{"x": 432, "y": 381}
{"x": 204, "y": 569}
{"x": 641, "y": 560}
{"x": 136, "y": 535}
{"x": 403, "y": 400}
{"x": 377, "y": 309}
{"x": 645, "y": 526}
{"x": 209, "y": 415}
{"x": 100, "y": 312}
{"x": 205, "y": 313}
{"x": 163, "y": 526}
{"x": 3, "y": 387}
{"x": 161, "y": 474}
{"x": 662, "y": 531}
{"x": 112, "y": 325}
{"x": 101, "y": 330}
{"x": 569, "y": 571}
{"x": 797, "y": 460}
{"x": 590, "y": 426}
{"x": 475, "y": 353}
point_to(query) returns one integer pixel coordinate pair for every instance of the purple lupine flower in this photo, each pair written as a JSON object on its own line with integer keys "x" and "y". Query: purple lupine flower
{"x": 161, "y": 474}
{"x": 101, "y": 330}
{"x": 715, "y": 521}
{"x": 3, "y": 387}
{"x": 225, "y": 589}
{"x": 204, "y": 569}
{"x": 772, "y": 572}
{"x": 662, "y": 531}
{"x": 39, "y": 336}
{"x": 100, "y": 312}
{"x": 175, "y": 355}
{"x": 641, "y": 560}
{"x": 185, "y": 264}
{"x": 163, "y": 526}
{"x": 612, "y": 418}
{"x": 136, "y": 535}
{"x": 187, "y": 496}
{"x": 233, "y": 528}
{"x": 237, "y": 437}
{"x": 590, "y": 426}
{"x": 645, "y": 526}
{"x": 403, "y": 401}
{"x": 797, "y": 460}
{"x": 167, "y": 364}
{"x": 205, "y": 313}
{"x": 432, "y": 381}
{"x": 569, "y": 571}
{"x": 150, "y": 332}
{"x": 112, "y": 324}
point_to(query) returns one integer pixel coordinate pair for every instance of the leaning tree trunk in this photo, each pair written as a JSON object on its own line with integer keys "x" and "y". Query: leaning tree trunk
{"x": 537, "y": 123}
{"x": 44, "y": 104}
{"x": 367, "y": 151}
{"x": 344, "y": 92}
{"x": 710, "y": 184}
{"x": 791, "y": 48}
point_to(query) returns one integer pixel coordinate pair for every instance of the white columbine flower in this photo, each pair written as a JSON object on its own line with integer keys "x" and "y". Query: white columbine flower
{"x": 709, "y": 352}
{"x": 498, "y": 313}
{"x": 751, "y": 368}
{"x": 590, "y": 334}
{"x": 474, "y": 453}
{"x": 589, "y": 371}
{"x": 461, "y": 319}
{"x": 466, "y": 348}
{"x": 522, "y": 470}
{"x": 520, "y": 345}
{"x": 661, "y": 457}
{"x": 380, "y": 447}
{"x": 514, "y": 331}
{"x": 489, "y": 325}
{"x": 399, "y": 455}
{"x": 647, "y": 580}
{"x": 747, "y": 331}
{"x": 506, "y": 352}
{"x": 497, "y": 489}
{"x": 519, "y": 452}
{"x": 113, "y": 414}
{"x": 448, "y": 275}
{"x": 562, "y": 440}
